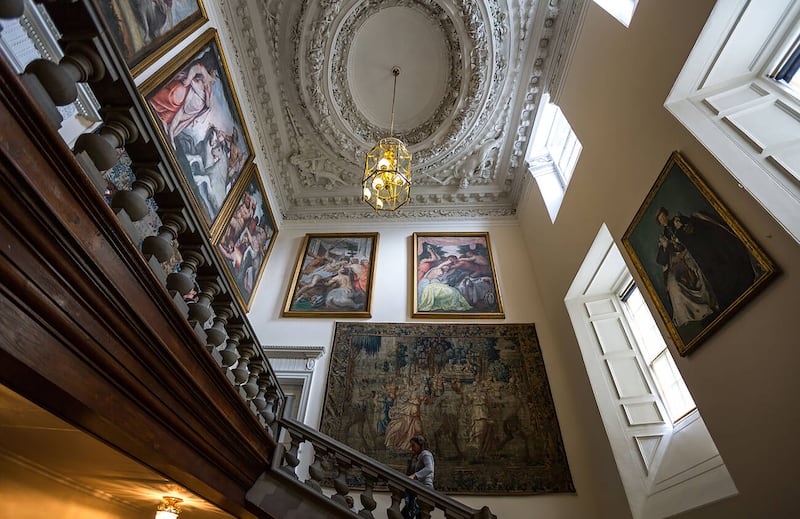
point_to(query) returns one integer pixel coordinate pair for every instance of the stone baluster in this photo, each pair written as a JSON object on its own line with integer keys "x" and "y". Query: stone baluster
{"x": 118, "y": 130}
{"x": 230, "y": 355}
{"x": 260, "y": 400}
{"x": 256, "y": 367}
{"x": 291, "y": 458}
{"x": 10, "y": 9}
{"x": 182, "y": 281}
{"x": 340, "y": 482}
{"x": 316, "y": 471}
{"x": 160, "y": 245}
{"x": 216, "y": 333}
{"x": 269, "y": 413}
{"x": 425, "y": 508}
{"x": 393, "y": 512}
{"x": 367, "y": 500}
{"x": 200, "y": 311}
{"x": 241, "y": 371}
{"x": 148, "y": 182}
{"x": 80, "y": 64}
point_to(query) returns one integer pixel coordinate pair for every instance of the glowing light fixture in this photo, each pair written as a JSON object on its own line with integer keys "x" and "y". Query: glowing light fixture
{"x": 168, "y": 509}
{"x": 387, "y": 169}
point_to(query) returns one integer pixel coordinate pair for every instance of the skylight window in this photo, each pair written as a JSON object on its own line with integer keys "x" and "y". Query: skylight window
{"x": 622, "y": 10}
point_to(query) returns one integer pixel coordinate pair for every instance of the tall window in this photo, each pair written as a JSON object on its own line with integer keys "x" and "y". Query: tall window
{"x": 674, "y": 393}
{"x": 667, "y": 460}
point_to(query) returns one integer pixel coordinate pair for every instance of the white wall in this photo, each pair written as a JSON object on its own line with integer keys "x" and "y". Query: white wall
{"x": 522, "y": 304}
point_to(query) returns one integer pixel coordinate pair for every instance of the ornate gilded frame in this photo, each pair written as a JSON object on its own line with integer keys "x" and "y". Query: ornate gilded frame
{"x": 453, "y": 277}
{"x": 247, "y": 224}
{"x": 129, "y": 30}
{"x": 698, "y": 265}
{"x": 322, "y": 258}
{"x": 213, "y": 148}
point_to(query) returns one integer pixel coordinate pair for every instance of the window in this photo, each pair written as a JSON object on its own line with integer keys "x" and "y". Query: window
{"x": 727, "y": 97}
{"x": 552, "y": 154}
{"x": 622, "y": 10}
{"x": 655, "y": 354}
{"x": 787, "y": 72}
{"x": 666, "y": 458}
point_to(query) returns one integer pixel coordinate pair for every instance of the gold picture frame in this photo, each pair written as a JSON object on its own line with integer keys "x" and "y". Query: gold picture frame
{"x": 245, "y": 241}
{"x": 333, "y": 276}
{"x": 193, "y": 104}
{"x": 454, "y": 277}
{"x": 145, "y": 32}
{"x": 697, "y": 262}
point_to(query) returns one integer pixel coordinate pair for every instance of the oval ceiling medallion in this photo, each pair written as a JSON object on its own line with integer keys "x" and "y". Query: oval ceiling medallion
{"x": 384, "y": 40}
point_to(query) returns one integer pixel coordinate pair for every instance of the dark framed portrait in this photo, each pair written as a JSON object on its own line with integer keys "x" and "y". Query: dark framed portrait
{"x": 697, "y": 262}
{"x": 194, "y": 105}
{"x": 333, "y": 276}
{"x": 144, "y": 30}
{"x": 247, "y": 237}
{"x": 453, "y": 277}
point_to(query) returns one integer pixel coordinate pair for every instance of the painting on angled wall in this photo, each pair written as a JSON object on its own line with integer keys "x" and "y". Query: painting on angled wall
{"x": 478, "y": 393}
{"x": 144, "y": 30}
{"x": 333, "y": 276}
{"x": 194, "y": 105}
{"x": 246, "y": 239}
{"x": 697, "y": 263}
{"x": 454, "y": 276}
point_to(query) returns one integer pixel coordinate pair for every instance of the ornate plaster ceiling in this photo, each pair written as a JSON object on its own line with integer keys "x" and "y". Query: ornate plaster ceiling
{"x": 319, "y": 73}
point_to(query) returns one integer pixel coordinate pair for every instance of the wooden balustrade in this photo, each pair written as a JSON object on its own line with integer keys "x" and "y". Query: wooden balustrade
{"x": 90, "y": 57}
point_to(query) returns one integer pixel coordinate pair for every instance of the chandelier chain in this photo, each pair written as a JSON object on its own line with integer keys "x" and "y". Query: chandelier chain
{"x": 395, "y": 73}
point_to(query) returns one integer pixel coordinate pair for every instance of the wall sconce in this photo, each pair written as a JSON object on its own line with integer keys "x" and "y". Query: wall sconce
{"x": 168, "y": 509}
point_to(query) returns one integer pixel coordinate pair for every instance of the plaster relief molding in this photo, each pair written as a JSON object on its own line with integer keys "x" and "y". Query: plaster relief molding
{"x": 408, "y": 214}
{"x": 478, "y": 93}
{"x": 341, "y": 93}
{"x": 241, "y": 31}
{"x": 305, "y": 353}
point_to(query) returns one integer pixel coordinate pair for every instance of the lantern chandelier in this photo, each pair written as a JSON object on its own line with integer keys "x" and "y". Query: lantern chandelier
{"x": 387, "y": 169}
{"x": 168, "y": 508}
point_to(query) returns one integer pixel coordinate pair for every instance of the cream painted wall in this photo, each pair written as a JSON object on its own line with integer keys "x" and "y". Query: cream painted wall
{"x": 585, "y": 442}
{"x": 744, "y": 378}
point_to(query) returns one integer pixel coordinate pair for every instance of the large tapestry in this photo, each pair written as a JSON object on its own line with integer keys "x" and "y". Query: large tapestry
{"x": 479, "y": 394}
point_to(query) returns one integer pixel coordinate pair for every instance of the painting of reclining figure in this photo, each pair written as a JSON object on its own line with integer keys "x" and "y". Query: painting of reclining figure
{"x": 454, "y": 277}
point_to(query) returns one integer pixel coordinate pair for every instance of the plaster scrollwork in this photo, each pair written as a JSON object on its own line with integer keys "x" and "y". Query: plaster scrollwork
{"x": 315, "y": 169}
{"x": 299, "y": 101}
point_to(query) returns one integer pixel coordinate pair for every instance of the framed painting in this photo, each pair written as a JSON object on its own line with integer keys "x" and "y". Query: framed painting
{"x": 454, "y": 277}
{"x": 697, "y": 263}
{"x": 247, "y": 237}
{"x": 478, "y": 393}
{"x": 145, "y": 30}
{"x": 194, "y": 106}
{"x": 333, "y": 276}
